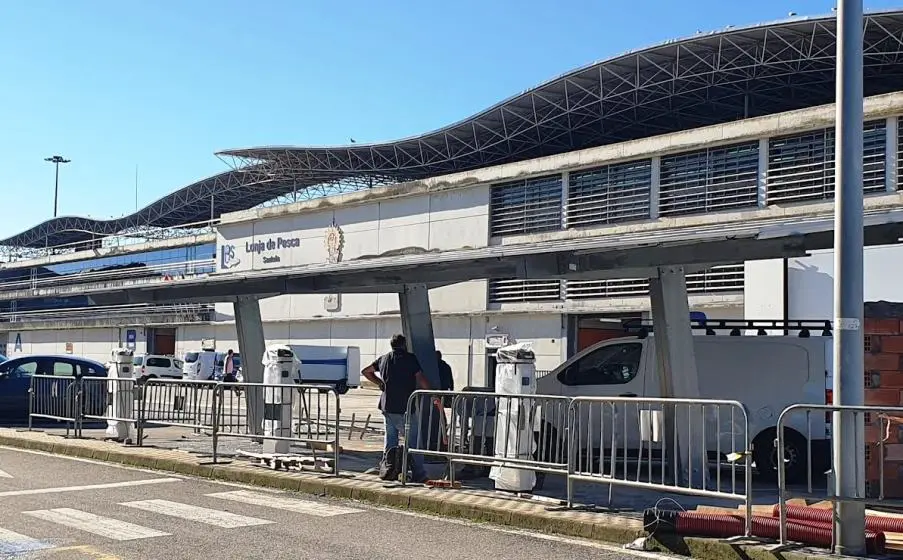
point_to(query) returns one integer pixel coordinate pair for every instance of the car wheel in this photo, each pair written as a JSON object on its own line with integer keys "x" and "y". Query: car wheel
{"x": 341, "y": 387}
{"x": 765, "y": 455}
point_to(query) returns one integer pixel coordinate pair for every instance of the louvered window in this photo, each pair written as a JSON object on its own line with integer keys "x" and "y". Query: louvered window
{"x": 709, "y": 180}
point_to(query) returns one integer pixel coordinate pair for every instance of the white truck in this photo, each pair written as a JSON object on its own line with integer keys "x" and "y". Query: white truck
{"x": 339, "y": 366}
{"x": 765, "y": 373}
{"x": 199, "y": 365}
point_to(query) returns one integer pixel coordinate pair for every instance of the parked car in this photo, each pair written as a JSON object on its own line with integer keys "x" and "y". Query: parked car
{"x": 3, "y": 358}
{"x": 154, "y": 366}
{"x": 16, "y": 378}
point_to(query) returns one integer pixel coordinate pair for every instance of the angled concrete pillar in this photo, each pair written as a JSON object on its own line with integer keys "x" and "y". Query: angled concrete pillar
{"x": 417, "y": 327}
{"x": 251, "y": 344}
{"x": 678, "y": 377}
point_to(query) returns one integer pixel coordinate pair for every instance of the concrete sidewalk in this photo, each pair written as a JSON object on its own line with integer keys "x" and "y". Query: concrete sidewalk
{"x": 472, "y": 505}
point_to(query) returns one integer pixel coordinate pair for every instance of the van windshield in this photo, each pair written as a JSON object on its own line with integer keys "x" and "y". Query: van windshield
{"x": 138, "y": 360}
{"x": 191, "y": 357}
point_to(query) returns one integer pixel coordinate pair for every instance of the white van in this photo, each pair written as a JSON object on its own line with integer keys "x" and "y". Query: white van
{"x": 154, "y": 366}
{"x": 339, "y": 366}
{"x": 765, "y": 373}
{"x": 199, "y": 365}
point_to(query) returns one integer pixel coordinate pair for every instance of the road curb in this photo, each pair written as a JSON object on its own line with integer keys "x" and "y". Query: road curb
{"x": 523, "y": 515}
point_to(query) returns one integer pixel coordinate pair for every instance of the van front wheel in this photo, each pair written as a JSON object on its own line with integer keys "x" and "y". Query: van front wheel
{"x": 765, "y": 455}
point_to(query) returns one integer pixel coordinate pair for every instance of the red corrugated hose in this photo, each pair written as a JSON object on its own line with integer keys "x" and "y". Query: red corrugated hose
{"x": 811, "y": 533}
{"x": 872, "y": 522}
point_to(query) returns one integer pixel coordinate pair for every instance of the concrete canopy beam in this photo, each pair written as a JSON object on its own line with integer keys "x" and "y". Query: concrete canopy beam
{"x": 598, "y": 265}
{"x": 678, "y": 375}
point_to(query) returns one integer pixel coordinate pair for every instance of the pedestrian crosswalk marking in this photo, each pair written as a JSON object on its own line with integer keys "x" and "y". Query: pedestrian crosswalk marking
{"x": 4, "y": 474}
{"x": 288, "y": 504}
{"x": 194, "y": 513}
{"x": 14, "y": 543}
{"x": 103, "y": 526}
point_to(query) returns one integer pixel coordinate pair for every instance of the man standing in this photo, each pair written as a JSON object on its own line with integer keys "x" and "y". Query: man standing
{"x": 446, "y": 378}
{"x": 229, "y": 368}
{"x": 399, "y": 376}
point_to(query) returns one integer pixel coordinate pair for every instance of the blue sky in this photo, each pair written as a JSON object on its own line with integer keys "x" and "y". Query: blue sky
{"x": 113, "y": 84}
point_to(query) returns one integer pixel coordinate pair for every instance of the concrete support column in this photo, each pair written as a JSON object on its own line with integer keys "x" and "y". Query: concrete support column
{"x": 417, "y": 327}
{"x": 678, "y": 376}
{"x": 251, "y": 344}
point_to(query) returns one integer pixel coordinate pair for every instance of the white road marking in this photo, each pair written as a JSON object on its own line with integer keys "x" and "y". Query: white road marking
{"x": 90, "y": 523}
{"x": 4, "y": 474}
{"x": 13, "y": 543}
{"x": 288, "y": 504}
{"x": 105, "y": 486}
{"x": 198, "y": 514}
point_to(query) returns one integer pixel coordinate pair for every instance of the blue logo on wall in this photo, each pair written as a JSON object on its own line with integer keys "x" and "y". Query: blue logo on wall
{"x": 131, "y": 338}
{"x": 227, "y": 258}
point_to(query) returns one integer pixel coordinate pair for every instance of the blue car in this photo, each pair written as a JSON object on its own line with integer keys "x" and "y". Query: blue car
{"x": 16, "y": 377}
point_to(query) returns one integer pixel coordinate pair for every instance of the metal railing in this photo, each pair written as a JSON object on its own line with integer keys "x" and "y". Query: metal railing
{"x": 314, "y": 417}
{"x": 674, "y": 445}
{"x": 217, "y": 409}
{"x": 54, "y": 397}
{"x": 174, "y": 402}
{"x": 487, "y": 429}
{"x": 876, "y": 422}
{"x": 697, "y": 447}
{"x": 180, "y": 269}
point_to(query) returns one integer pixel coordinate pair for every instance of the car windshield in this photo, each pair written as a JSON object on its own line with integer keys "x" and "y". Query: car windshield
{"x": 158, "y": 362}
{"x": 192, "y": 357}
{"x": 138, "y": 360}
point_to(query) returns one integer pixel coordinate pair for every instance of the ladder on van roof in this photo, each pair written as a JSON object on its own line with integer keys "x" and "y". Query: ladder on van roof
{"x": 735, "y": 327}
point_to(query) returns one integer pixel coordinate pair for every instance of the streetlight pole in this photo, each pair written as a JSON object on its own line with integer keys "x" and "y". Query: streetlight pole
{"x": 56, "y": 160}
{"x": 849, "y": 359}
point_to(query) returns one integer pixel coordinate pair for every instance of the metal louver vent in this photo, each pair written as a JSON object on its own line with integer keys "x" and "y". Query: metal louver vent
{"x": 709, "y": 180}
{"x": 801, "y": 166}
{"x": 718, "y": 279}
{"x": 519, "y": 291}
{"x": 610, "y": 194}
{"x": 527, "y": 206}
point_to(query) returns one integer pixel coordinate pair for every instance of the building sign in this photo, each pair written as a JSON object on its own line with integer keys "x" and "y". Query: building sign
{"x": 496, "y": 340}
{"x": 131, "y": 339}
{"x": 227, "y": 257}
{"x": 68, "y": 347}
{"x": 17, "y": 347}
{"x": 265, "y": 249}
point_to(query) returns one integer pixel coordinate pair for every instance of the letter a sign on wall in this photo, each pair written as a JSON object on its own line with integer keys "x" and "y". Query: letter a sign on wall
{"x": 17, "y": 347}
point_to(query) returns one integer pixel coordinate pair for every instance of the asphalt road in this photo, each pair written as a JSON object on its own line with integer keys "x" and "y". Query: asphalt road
{"x": 63, "y": 508}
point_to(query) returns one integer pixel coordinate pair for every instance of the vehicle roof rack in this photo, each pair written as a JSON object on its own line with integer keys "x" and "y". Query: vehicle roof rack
{"x": 735, "y": 327}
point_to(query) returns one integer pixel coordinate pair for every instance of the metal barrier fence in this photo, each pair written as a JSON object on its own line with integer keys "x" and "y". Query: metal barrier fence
{"x": 314, "y": 417}
{"x": 471, "y": 435}
{"x": 626, "y": 441}
{"x": 174, "y": 402}
{"x": 54, "y": 397}
{"x": 666, "y": 444}
{"x": 219, "y": 409}
{"x": 876, "y": 421}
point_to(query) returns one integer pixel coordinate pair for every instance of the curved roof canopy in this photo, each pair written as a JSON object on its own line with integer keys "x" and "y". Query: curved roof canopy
{"x": 702, "y": 80}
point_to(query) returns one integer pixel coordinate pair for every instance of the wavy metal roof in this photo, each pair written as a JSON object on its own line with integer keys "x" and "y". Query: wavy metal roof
{"x": 706, "y": 79}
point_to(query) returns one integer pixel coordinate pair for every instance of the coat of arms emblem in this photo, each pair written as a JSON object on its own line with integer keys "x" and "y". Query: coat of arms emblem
{"x": 335, "y": 242}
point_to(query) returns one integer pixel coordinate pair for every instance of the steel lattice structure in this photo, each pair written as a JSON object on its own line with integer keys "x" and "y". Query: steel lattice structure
{"x": 702, "y": 80}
